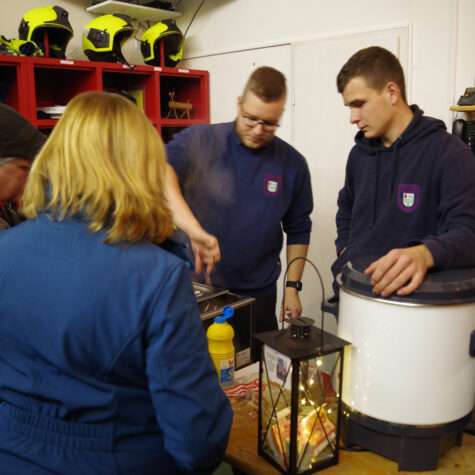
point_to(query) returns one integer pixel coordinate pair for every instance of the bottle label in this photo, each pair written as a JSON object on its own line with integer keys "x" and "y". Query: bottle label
{"x": 226, "y": 372}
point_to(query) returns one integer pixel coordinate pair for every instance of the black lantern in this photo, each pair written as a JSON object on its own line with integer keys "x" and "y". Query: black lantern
{"x": 300, "y": 376}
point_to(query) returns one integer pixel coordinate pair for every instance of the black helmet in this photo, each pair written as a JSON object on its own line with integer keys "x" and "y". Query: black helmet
{"x": 55, "y": 21}
{"x": 103, "y": 37}
{"x": 172, "y": 37}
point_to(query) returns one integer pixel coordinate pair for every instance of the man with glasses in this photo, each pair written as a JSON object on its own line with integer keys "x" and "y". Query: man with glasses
{"x": 234, "y": 188}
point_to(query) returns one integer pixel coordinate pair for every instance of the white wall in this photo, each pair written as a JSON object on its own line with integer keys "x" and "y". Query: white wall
{"x": 464, "y": 70}
{"x": 441, "y": 46}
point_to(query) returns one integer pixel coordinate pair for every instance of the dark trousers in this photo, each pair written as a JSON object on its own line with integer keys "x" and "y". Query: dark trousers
{"x": 264, "y": 320}
{"x": 264, "y": 314}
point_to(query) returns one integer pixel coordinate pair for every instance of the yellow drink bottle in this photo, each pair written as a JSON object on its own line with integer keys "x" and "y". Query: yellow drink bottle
{"x": 220, "y": 336}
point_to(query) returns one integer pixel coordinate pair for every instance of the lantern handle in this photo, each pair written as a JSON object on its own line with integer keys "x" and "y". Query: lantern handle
{"x": 286, "y": 319}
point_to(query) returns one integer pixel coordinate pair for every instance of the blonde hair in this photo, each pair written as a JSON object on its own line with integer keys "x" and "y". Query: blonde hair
{"x": 105, "y": 161}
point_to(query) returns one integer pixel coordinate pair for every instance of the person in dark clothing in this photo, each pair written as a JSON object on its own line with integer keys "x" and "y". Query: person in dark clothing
{"x": 19, "y": 143}
{"x": 246, "y": 188}
{"x": 409, "y": 192}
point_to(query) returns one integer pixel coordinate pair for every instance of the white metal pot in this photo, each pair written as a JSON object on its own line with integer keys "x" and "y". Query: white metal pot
{"x": 409, "y": 362}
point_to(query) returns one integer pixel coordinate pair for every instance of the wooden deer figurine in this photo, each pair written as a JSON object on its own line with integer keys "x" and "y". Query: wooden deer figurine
{"x": 185, "y": 107}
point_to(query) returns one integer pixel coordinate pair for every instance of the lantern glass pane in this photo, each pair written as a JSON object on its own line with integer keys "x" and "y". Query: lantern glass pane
{"x": 275, "y": 411}
{"x": 314, "y": 402}
{"x": 317, "y": 413}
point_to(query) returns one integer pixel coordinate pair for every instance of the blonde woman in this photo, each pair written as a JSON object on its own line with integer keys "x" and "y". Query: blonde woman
{"x": 104, "y": 365}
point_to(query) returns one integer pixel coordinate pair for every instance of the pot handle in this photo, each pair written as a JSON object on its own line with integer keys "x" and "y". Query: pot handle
{"x": 472, "y": 344}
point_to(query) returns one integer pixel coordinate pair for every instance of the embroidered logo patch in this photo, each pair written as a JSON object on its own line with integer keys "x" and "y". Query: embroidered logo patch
{"x": 272, "y": 185}
{"x": 408, "y": 197}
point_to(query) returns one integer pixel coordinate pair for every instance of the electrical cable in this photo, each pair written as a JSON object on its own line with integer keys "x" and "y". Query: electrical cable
{"x": 140, "y": 25}
{"x": 193, "y": 17}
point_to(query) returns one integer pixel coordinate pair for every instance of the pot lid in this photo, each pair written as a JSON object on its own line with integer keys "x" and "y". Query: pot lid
{"x": 448, "y": 287}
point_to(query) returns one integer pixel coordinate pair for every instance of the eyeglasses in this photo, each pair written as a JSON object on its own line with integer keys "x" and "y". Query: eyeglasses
{"x": 251, "y": 122}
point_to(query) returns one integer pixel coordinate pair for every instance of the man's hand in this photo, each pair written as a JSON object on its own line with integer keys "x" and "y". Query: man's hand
{"x": 293, "y": 307}
{"x": 206, "y": 250}
{"x": 401, "y": 270}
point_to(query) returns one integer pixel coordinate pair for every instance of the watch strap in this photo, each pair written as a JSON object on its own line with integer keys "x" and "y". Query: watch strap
{"x": 295, "y": 284}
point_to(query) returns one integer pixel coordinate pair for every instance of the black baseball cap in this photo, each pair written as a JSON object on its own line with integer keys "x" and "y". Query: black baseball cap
{"x": 18, "y": 137}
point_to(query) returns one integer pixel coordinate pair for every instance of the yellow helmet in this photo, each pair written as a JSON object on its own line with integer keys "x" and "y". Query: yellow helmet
{"x": 103, "y": 38}
{"x": 53, "y": 20}
{"x": 172, "y": 38}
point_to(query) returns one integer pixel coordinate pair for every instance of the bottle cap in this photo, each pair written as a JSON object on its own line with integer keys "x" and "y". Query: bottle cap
{"x": 228, "y": 312}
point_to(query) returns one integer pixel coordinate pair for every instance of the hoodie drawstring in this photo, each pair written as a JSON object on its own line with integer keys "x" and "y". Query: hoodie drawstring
{"x": 375, "y": 190}
{"x": 393, "y": 176}
{"x": 394, "y": 171}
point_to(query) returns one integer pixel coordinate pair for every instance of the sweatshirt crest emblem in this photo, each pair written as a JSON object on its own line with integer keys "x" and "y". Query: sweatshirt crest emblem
{"x": 272, "y": 184}
{"x": 408, "y": 197}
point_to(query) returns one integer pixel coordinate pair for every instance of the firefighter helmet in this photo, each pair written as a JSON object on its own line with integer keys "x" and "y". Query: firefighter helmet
{"x": 172, "y": 38}
{"x": 103, "y": 38}
{"x": 52, "y": 20}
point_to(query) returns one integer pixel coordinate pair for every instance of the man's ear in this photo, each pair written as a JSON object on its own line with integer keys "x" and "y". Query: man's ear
{"x": 239, "y": 102}
{"x": 393, "y": 91}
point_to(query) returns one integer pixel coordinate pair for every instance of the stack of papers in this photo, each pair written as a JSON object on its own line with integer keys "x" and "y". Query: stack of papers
{"x": 54, "y": 112}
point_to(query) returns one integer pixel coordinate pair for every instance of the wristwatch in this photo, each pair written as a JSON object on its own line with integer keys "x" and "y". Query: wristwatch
{"x": 294, "y": 284}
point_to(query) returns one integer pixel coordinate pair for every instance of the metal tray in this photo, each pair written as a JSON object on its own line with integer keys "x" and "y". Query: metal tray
{"x": 212, "y": 305}
{"x": 202, "y": 290}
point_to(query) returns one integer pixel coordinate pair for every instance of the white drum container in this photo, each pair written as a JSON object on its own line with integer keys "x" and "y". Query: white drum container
{"x": 410, "y": 360}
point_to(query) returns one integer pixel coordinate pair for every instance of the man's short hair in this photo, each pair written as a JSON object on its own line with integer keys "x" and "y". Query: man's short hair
{"x": 266, "y": 83}
{"x": 377, "y": 66}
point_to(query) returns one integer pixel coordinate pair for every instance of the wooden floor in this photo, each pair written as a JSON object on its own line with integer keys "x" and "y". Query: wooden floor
{"x": 242, "y": 454}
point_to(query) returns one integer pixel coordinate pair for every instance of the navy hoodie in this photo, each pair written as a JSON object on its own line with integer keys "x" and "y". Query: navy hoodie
{"x": 420, "y": 189}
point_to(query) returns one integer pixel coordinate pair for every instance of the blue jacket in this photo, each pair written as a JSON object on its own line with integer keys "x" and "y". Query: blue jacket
{"x": 104, "y": 367}
{"x": 246, "y": 198}
{"x": 421, "y": 189}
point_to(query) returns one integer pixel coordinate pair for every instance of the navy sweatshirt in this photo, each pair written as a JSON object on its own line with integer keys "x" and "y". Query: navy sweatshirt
{"x": 245, "y": 198}
{"x": 421, "y": 189}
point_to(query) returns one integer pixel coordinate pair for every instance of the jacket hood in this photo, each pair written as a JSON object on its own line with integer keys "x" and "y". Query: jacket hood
{"x": 417, "y": 127}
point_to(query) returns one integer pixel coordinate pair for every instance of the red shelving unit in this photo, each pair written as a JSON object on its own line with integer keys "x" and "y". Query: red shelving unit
{"x": 28, "y": 83}
{"x": 13, "y": 83}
